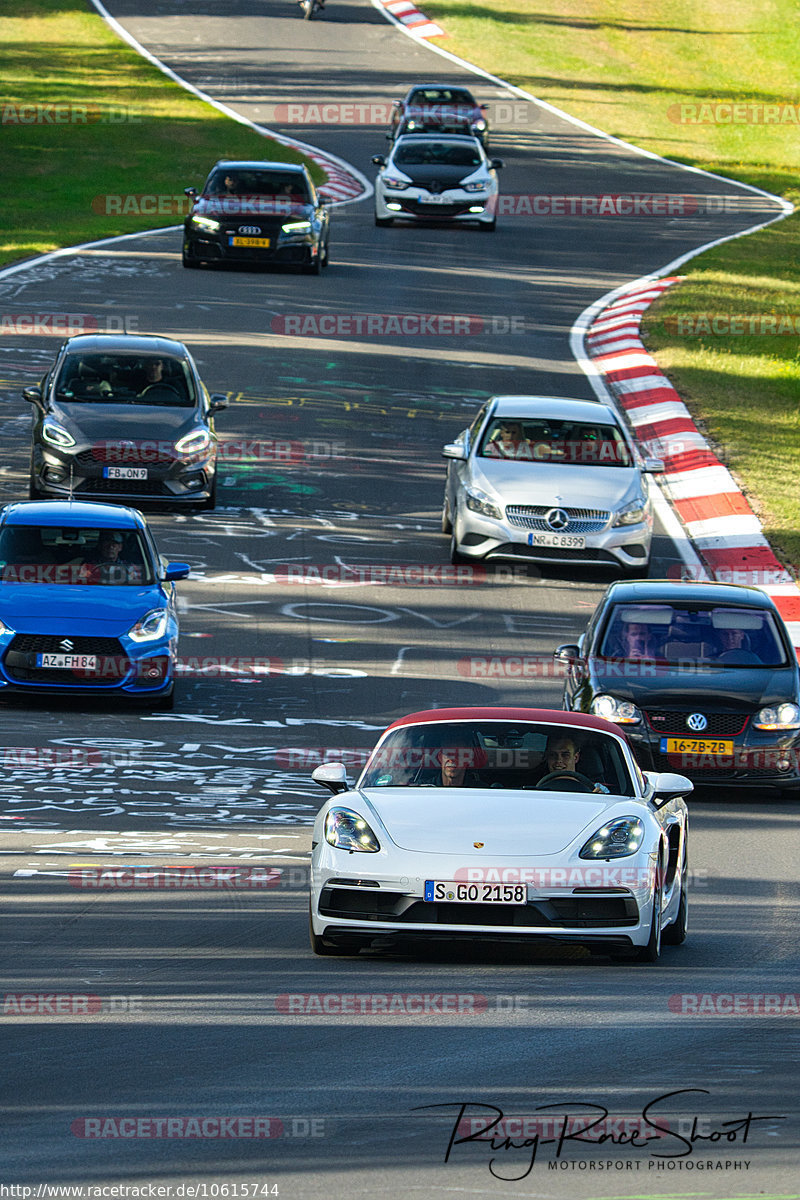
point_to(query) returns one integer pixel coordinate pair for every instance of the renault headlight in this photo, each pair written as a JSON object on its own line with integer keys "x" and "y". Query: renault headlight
{"x": 615, "y": 839}
{"x": 150, "y": 627}
{"x": 346, "y": 830}
{"x": 56, "y": 434}
{"x": 778, "y": 716}
{"x": 479, "y": 502}
{"x": 395, "y": 181}
{"x": 621, "y": 712}
{"x": 473, "y": 187}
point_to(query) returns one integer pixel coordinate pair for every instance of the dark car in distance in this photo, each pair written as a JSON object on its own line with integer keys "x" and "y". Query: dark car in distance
{"x": 123, "y": 417}
{"x": 267, "y": 213}
{"x": 703, "y": 678}
{"x": 445, "y": 102}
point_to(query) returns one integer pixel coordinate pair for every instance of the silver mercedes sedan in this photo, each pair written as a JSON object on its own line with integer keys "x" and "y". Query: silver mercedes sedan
{"x": 546, "y": 478}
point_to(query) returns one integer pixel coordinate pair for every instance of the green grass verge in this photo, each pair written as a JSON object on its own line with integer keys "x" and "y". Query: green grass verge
{"x": 87, "y": 122}
{"x": 642, "y": 69}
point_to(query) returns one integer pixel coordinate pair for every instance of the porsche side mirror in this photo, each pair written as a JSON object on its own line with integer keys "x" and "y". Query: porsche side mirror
{"x": 331, "y": 775}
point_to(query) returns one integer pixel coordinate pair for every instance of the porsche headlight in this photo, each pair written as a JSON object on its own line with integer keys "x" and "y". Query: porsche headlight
{"x": 56, "y": 434}
{"x": 621, "y": 712}
{"x": 194, "y": 442}
{"x": 778, "y": 716}
{"x": 346, "y": 830}
{"x": 295, "y": 228}
{"x": 206, "y": 223}
{"x": 150, "y": 627}
{"x": 633, "y": 513}
{"x": 615, "y": 839}
{"x": 479, "y": 502}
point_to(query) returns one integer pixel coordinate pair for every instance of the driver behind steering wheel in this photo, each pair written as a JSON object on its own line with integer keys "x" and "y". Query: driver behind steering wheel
{"x": 562, "y": 757}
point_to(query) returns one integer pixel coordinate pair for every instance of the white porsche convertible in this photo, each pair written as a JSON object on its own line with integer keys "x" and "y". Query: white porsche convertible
{"x": 501, "y": 823}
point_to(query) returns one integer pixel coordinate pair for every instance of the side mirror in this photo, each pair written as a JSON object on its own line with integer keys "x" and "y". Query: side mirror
{"x": 454, "y": 450}
{"x": 654, "y": 466}
{"x": 484, "y": 107}
{"x": 567, "y": 653}
{"x": 331, "y": 775}
{"x": 175, "y": 570}
{"x": 496, "y": 163}
{"x": 666, "y": 786}
{"x": 33, "y": 395}
{"x": 190, "y": 191}
{"x": 379, "y": 159}
{"x": 216, "y": 402}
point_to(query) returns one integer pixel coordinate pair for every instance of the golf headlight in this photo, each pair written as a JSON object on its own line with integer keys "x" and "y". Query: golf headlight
{"x": 296, "y": 227}
{"x": 778, "y": 716}
{"x": 206, "y": 223}
{"x": 633, "y": 513}
{"x": 621, "y": 712}
{"x": 346, "y": 830}
{"x": 396, "y": 181}
{"x": 56, "y": 434}
{"x": 150, "y": 627}
{"x": 473, "y": 187}
{"x": 615, "y": 839}
{"x": 194, "y": 442}
{"x": 479, "y": 502}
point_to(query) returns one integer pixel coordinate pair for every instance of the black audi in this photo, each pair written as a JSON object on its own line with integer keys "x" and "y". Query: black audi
{"x": 126, "y": 418}
{"x": 257, "y": 212}
{"x": 703, "y": 678}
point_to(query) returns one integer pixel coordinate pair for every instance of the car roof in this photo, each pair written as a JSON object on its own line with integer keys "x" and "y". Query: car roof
{"x": 450, "y": 139}
{"x": 438, "y": 85}
{"x": 105, "y": 343}
{"x": 669, "y": 591}
{"x": 72, "y": 513}
{"x": 558, "y": 407}
{"x": 538, "y": 716}
{"x": 241, "y": 164}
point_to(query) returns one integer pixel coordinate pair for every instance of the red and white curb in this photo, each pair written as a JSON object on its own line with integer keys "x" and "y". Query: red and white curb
{"x": 723, "y": 529}
{"x": 409, "y": 16}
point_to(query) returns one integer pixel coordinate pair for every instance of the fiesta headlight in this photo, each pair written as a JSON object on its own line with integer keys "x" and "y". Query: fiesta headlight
{"x": 56, "y": 434}
{"x": 473, "y": 187}
{"x": 194, "y": 442}
{"x": 615, "y": 839}
{"x": 479, "y": 502}
{"x": 396, "y": 181}
{"x": 150, "y": 627}
{"x": 621, "y": 712}
{"x": 206, "y": 223}
{"x": 633, "y": 513}
{"x": 296, "y": 227}
{"x": 778, "y": 716}
{"x": 346, "y": 830}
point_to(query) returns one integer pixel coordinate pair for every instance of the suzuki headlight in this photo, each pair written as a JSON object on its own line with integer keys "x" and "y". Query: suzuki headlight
{"x": 194, "y": 442}
{"x": 56, "y": 434}
{"x": 621, "y": 712}
{"x": 294, "y": 228}
{"x": 778, "y": 716}
{"x": 206, "y": 223}
{"x": 615, "y": 839}
{"x": 346, "y": 830}
{"x": 150, "y": 627}
{"x": 633, "y": 513}
{"x": 479, "y": 502}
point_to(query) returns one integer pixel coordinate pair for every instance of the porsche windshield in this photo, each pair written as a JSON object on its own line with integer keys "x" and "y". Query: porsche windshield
{"x": 716, "y": 636}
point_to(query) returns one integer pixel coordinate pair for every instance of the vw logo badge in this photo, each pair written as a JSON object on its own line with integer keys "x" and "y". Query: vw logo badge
{"x": 697, "y": 722}
{"x": 66, "y": 644}
{"x": 557, "y": 518}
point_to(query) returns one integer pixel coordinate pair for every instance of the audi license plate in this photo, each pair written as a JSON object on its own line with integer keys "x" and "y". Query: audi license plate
{"x": 68, "y": 662}
{"x": 264, "y": 243}
{"x": 125, "y": 472}
{"x": 476, "y": 893}
{"x": 675, "y": 745}
{"x": 567, "y": 541}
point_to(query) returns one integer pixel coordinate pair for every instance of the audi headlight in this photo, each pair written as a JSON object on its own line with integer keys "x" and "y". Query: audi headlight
{"x": 479, "y": 502}
{"x": 150, "y": 627}
{"x": 206, "y": 223}
{"x": 346, "y": 830}
{"x": 296, "y": 227}
{"x": 778, "y": 716}
{"x": 633, "y": 513}
{"x": 194, "y": 442}
{"x": 615, "y": 839}
{"x": 396, "y": 181}
{"x": 56, "y": 434}
{"x": 621, "y": 712}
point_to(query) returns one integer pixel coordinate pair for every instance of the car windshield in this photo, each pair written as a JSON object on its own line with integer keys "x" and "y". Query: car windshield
{"x": 266, "y": 185}
{"x": 452, "y": 97}
{"x": 49, "y": 554}
{"x": 125, "y": 379}
{"x": 499, "y": 755}
{"x": 537, "y": 439}
{"x": 444, "y": 154}
{"x": 716, "y": 636}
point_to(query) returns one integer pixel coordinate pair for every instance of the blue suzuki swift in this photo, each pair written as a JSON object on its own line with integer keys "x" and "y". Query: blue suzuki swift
{"x": 87, "y": 604}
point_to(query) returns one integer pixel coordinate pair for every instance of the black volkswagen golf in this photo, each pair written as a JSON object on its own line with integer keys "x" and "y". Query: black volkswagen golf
{"x": 128, "y": 418}
{"x": 257, "y": 212}
{"x": 703, "y": 678}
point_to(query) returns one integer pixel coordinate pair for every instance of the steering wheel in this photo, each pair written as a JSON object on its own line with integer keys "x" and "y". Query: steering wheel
{"x": 586, "y": 784}
{"x": 159, "y": 387}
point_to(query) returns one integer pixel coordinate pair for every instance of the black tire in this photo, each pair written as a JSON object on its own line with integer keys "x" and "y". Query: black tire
{"x": 384, "y": 222}
{"x": 675, "y": 934}
{"x": 447, "y": 524}
{"x": 328, "y": 949}
{"x": 188, "y": 259}
{"x": 211, "y": 503}
{"x": 33, "y": 491}
{"x": 164, "y": 703}
{"x": 326, "y": 262}
{"x": 455, "y": 556}
{"x": 652, "y": 951}
{"x": 314, "y": 267}
{"x": 488, "y": 227}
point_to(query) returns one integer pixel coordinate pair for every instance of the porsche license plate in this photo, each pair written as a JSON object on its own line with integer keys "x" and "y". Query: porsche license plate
{"x": 674, "y": 745}
{"x": 263, "y": 243}
{"x": 568, "y": 541}
{"x": 68, "y": 662}
{"x": 125, "y": 472}
{"x": 476, "y": 893}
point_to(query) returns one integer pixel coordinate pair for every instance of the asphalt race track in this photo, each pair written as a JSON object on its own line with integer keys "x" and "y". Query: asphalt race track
{"x": 321, "y": 606}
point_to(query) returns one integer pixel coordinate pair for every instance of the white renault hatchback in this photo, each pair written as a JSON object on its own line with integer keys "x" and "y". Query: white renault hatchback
{"x": 546, "y": 478}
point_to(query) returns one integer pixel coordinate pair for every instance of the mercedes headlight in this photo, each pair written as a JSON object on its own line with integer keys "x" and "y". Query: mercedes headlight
{"x": 56, "y": 434}
{"x": 615, "y": 839}
{"x": 346, "y": 830}
{"x": 621, "y": 712}
{"x": 778, "y": 716}
{"x": 150, "y": 627}
{"x": 479, "y": 502}
{"x": 633, "y": 513}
